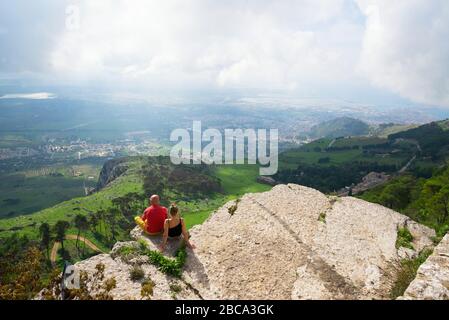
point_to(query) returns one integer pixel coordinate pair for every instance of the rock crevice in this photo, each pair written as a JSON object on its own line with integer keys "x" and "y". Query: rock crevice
{"x": 432, "y": 279}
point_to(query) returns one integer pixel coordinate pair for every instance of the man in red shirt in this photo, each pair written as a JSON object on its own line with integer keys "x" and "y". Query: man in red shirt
{"x": 153, "y": 218}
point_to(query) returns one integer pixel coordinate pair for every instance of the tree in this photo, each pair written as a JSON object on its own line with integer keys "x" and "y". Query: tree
{"x": 396, "y": 195}
{"x": 436, "y": 193}
{"x": 130, "y": 204}
{"x": 44, "y": 231}
{"x": 153, "y": 182}
{"x": 93, "y": 221}
{"x": 442, "y": 204}
{"x": 101, "y": 215}
{"x": 81, "y": 224}
{"x": 123, "y": 204}
{"x": 60, "y": 229}
{"x": 113, "y": 217}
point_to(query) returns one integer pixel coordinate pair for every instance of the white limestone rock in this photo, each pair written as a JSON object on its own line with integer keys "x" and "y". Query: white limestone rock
{"x": 432, "y": 279}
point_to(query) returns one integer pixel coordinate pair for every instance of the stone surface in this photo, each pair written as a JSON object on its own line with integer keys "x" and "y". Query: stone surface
{"x": 294, "y": 242}
{"x": 291, "y": 242}
{"x": 432, "y": 279}
{"x": 128, "y": 289}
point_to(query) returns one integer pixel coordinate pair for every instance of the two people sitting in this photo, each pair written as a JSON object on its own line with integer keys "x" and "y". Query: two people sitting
{"x": 156, "y": 220}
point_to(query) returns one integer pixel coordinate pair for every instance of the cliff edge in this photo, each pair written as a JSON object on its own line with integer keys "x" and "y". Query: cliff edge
{"x": 292, "y": 242}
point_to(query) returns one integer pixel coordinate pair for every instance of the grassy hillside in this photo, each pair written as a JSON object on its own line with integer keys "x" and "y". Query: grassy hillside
{"x": 196, "y": 205}
{"x": 235, "y": 180}
{"x": 30, "y": 191}
{"x": 28, "y": 225}
{"x": 327, "y": 152}
{"x": 432, "y": 138}
{"x": 444, "y": 124}
{"x": 340, "y": 127}
{"x": 384, "y": 130}
{"x": 331, "y": 164}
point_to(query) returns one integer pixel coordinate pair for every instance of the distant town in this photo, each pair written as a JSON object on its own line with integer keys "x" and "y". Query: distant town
{"x": 54, "y": 150}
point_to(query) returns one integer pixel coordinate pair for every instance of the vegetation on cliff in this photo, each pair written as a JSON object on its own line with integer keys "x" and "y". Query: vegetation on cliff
{"x": 424, "y": 200}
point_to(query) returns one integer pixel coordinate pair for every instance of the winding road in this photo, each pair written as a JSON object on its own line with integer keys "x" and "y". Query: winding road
{"x": 57, "y": 245}
{"x": 405, "y": 168}
{"x": 331, "y": 143}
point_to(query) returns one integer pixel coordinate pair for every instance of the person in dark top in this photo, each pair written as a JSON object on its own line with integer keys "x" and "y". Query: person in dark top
{"x": 174, "y": 227}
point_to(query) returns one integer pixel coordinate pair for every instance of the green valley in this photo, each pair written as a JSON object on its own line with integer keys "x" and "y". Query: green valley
{"x": 197, "y": 191}
{"x": 28, "y": 191}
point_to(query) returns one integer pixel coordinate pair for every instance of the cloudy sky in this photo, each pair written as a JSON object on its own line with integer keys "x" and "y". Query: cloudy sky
{"x": 299, "y": 47}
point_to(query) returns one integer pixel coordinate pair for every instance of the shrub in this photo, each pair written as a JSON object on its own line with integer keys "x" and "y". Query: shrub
{"x": 136, "y": 273}
{"x": 166, "y": 265}
{"x": 175, "y": 288}
{"x": 124, "y": 251}
{"x": 404, "y": 239}
{"x": 142, "y": 245}
{"x": 322, "y": 217}
{"x": 407, "y": 273}
{"x": 126, "y": 254}
{"x": 147, "y": 288}
{"x": 232, "y": 209}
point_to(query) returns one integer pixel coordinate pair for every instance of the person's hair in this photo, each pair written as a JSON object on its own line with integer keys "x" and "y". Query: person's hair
{"x": 173, "y": 209}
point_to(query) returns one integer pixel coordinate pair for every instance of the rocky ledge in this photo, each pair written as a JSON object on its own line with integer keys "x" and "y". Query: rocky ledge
{"x": 291, "y": 242}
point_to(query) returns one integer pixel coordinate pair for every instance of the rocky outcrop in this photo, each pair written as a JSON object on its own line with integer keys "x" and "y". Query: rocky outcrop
{"x": 296, "y": 243}
{"x": 432, "y": 279}
{"x": 370, "y": 181}
{"x": 292, "y": 242}
{"x": 111, "y": 170}
{"x": 119, "y": 269}
{"x": 267, "y": 180}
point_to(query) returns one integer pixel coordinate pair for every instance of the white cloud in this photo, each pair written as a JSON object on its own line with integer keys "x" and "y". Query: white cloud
{"x": 257, "y": 44}
{"x": 349, "y": 48}
{"x": 406, "y": 48}
{"x": 31, "y": 96}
